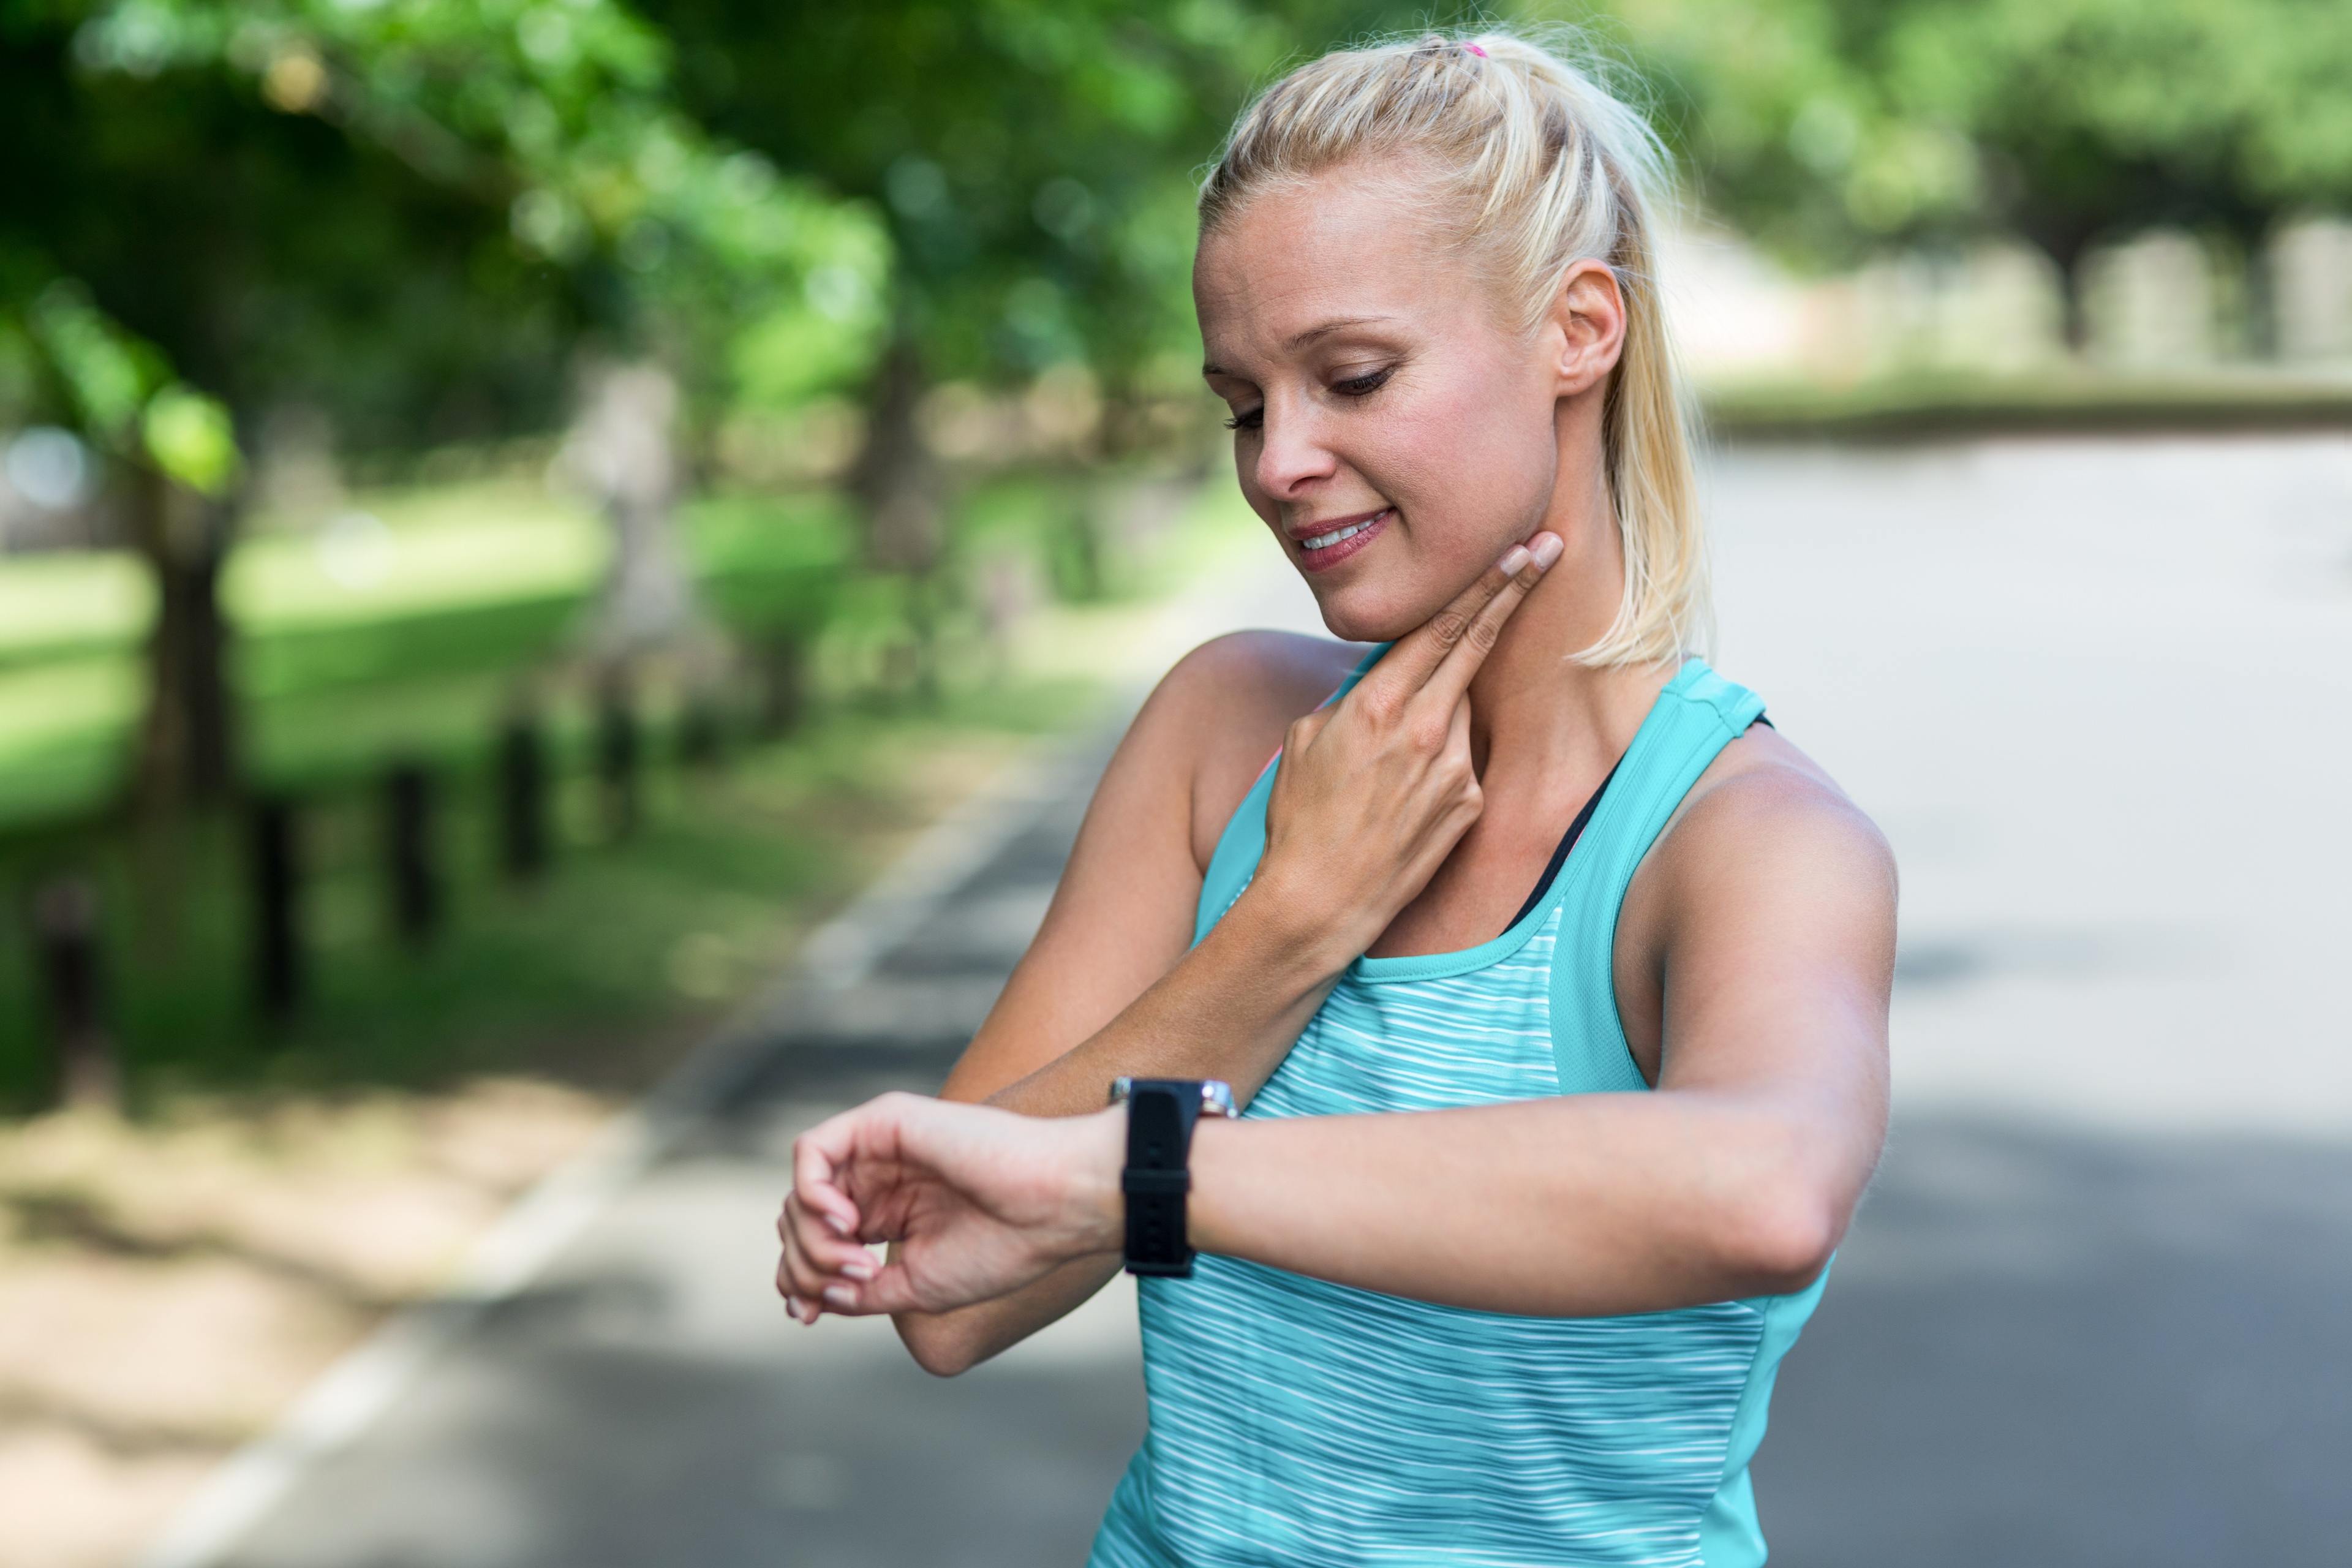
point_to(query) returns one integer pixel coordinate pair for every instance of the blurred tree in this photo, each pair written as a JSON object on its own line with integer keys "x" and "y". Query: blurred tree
{"x": 1832, "y": 127}
{"x": 2094, "y": 118}
{"x": 166, "y": 233}
{"x": 1034, "y": 162}
{"x": 1779, "y": 124}
{"x": 1009, "y": 147}
{"x": 407, "y": 215}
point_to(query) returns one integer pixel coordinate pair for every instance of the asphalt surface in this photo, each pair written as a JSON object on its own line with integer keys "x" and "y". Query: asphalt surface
{"x": 2092, "y": 1312}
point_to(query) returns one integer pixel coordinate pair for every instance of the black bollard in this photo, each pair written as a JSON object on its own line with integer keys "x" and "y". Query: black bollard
{"x": 65, "y": 932}
{"x": 522, "y": 799}
{"x": 277, "y": 865}
{"x": 616, "y": 754}
{"x": 409, "y": 852}
{"x": 783, "y": 684}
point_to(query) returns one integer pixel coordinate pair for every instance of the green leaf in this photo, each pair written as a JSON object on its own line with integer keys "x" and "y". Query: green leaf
{"x": 190, "y": 437}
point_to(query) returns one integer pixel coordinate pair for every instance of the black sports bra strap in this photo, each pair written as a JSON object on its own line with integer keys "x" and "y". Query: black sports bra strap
{"x": 1560, "y": 855}
{"x": 1575, "y": 830}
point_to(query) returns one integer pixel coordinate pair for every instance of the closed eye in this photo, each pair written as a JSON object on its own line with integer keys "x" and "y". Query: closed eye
{"x": 1354, "y": 386}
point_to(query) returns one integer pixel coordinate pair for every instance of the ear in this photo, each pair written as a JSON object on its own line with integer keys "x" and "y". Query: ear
{"x": 1588, "y": 326}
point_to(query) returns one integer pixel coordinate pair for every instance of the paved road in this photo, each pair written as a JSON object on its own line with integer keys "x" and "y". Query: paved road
{"x": 2092, "y": 1313}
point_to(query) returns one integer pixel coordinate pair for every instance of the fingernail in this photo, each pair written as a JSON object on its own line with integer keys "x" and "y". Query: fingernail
{"x": 860, "y": 1271}
{"x": 840, "y": 1294}
{"x": 792, "y": 1305}
{"x": 837, "y": 1226}
{"x": 1548, "y": 548}
{"x": 1513, "y": 559}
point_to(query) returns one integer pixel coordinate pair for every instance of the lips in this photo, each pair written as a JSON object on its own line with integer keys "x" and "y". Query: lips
{"x": 1302, "y": 534}
{"x": 1368, "y": 527}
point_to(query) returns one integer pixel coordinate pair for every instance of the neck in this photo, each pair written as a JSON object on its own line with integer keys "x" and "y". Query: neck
{"x": 1540, "y": 723}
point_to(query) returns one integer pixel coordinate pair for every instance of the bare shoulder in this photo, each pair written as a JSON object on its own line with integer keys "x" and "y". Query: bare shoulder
{"x": 1763, "y": 803}
{"x": 1763, "y": 835}
{"x": 1249, "y": 666}
{"x": 1122, "y": 911}
{"x": 1767, "y": 881}
{"x": 1224, "y": 707}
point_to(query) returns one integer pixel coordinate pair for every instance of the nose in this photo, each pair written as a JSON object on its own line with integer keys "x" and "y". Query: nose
{"x": 1292, "y": 451}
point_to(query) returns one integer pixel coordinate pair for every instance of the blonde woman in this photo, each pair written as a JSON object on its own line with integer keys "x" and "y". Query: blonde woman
{"x": 1522, "y": 1209}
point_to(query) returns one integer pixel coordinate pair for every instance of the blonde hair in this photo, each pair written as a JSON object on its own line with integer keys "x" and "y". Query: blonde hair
{"x": 1544, "y": 165}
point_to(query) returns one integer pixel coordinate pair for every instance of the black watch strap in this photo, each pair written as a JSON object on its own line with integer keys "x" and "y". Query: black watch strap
{"x": 1160, "y": 1112}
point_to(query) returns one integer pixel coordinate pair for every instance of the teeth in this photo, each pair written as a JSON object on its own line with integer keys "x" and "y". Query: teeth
{"x": 1324, "y": 540}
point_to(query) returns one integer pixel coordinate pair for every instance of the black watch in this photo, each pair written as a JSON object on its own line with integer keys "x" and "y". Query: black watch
{"x": 1160, "y": 1112}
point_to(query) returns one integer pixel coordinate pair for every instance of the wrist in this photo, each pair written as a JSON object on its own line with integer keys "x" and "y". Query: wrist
{"x": 1213, "y": 1152}
{"x": 1163, "y": 1118}
{"x": 1098, "y": 1206}
{"x": 1287, "y": 936}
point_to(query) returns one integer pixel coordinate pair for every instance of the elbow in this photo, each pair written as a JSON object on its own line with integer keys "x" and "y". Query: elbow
{"x": 936, "y": 1344}
{"x": 1783, "y": 1241}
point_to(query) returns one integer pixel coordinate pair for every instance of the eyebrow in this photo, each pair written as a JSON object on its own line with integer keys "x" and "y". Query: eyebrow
{"x": 1300, "y": 340}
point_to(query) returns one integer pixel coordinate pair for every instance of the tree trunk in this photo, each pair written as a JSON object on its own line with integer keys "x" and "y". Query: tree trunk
{"x": 2073, "y": 319}
{"x": 2066, "y": 237}
{"x": 2259, "y": 334}
{"x": 895, "y": 480}
{"x": 897, "y": 484}
{"x": 186, "y": 750}
{"x": 624, "y": 450}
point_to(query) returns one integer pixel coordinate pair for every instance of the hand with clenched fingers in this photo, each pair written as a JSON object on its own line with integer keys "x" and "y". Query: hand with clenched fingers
{"x": 980, "y": 1201}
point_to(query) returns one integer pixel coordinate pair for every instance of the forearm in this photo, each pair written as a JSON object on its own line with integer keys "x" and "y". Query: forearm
{"x": 1577, "y": 1205}
{"x": 1231, "y": 1008}
{"x": 946, "y": 1343}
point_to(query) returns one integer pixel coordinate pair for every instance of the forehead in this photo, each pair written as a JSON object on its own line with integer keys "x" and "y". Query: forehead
{"x": 1344, "y": 244}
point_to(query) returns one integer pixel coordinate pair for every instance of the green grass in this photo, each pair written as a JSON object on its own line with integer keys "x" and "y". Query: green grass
{"x": 406, "y": 639}
{"x": 411, "y": 640}
{"x": 2079, "y": 399}
{"x": 624, "y": 942}
{"x": 620, "y": 938}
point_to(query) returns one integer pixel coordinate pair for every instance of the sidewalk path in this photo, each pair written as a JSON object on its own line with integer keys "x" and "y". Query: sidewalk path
{"x": 646, "y": 1401}
{"x": 2091, "y": 1314}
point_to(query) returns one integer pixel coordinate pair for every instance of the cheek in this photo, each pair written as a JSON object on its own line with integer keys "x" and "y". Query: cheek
{"x": 1458, "y": 522}
{"x": 1473, "y": 469}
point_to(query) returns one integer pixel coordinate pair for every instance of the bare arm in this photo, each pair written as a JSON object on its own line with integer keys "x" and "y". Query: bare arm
{"x": 1108, "y": 971}
{"x": 1230, "y": 1009}
{"x": 1737, "y": 1176}
{"x": 1109, "y": 987}
{"x": 1122, "y": 914}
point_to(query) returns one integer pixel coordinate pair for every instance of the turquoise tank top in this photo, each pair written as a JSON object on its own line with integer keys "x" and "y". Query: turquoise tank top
{"x": 1307, "y": 1424}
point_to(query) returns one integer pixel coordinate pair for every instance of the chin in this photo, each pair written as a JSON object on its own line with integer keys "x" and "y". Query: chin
{"x": 1363, "y": 612}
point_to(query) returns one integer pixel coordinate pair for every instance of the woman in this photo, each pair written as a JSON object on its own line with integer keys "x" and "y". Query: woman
{"x": 1524, "y": 1208}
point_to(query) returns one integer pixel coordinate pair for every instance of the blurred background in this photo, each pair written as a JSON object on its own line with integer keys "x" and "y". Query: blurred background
{"x": 551, "y": 549}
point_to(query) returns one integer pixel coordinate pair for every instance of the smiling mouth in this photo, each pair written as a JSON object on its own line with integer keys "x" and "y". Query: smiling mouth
{"x": 1328, "y": 549}
{"x": 1324, "y": 541}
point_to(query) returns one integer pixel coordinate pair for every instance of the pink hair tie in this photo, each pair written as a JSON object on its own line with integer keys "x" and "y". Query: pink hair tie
{"x": 1476, "y": 50}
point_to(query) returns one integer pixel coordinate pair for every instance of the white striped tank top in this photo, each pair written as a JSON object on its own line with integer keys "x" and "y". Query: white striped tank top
{"x": 1297, "y": 1424}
